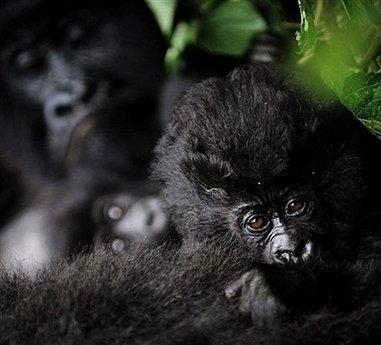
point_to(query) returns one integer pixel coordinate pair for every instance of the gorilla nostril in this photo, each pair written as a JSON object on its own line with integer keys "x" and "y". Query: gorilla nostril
{"x": 63, "y": 110}
{"x": 289, "y": 255}
{"x": 150, "y": 218}
{"x": 303, "y": 249}
{"x": 285, "y": 256}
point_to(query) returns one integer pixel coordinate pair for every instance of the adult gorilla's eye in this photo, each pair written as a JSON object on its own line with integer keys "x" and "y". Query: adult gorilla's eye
{"x": 296, "y": 207}
{"x": 74, "y": 33}
{"x": 257, "y": 223}
{"x": 27, "y": 60}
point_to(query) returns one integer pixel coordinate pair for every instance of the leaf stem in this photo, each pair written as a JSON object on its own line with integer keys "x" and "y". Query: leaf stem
{"x": 345, "y": 9}
{"x": 319, "y": 12}
{"x": 371, "y": 52}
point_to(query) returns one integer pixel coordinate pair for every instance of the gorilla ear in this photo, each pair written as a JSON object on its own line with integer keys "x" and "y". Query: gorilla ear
{"x": 209, "y": 174}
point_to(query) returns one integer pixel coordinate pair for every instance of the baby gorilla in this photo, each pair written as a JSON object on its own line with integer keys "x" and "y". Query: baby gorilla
{"x": 250, "y": 160}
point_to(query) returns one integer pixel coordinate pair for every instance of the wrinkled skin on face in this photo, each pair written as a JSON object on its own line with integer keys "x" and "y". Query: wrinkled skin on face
{"x": 249, "y": 160}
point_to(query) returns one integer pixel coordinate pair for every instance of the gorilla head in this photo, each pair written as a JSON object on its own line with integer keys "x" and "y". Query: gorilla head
{"x": 251, "y": 161}
{"x": 66, "y": 60}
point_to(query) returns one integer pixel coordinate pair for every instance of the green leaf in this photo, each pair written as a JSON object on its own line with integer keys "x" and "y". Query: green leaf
{"x": 185, "y": 34}
{"x": 364, "y": 11}
{"x": 229, "y": 28}
{"x": 340, "y": 42}
{"x": 205, "y": 5}
{"x": 362, "y": 94}
{"x": 275, "y": 15}
{"x": 164, "y": 12}
{"x": 308, "y": 35}
{"x": 373, "y": 125}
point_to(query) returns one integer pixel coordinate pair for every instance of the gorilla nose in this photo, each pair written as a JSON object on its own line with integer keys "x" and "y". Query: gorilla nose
{"x": 62, "y": 113}
{"x": 286, "y": 250}
{"x": 286, "y": 257}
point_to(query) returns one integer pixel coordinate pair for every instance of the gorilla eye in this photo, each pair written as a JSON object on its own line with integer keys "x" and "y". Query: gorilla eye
{"x": 114, "y": 213}
{"x": 27, "y": 61}
{"x": 296, "y": 208}
{"x": 74, "y": 33}
{"x": 257, "y": 224}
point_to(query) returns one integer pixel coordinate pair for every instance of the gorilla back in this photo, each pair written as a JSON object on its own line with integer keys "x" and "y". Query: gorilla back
{"x": 157, "y": 296}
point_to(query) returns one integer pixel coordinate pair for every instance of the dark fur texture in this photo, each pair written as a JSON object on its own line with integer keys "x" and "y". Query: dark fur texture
{"x": 159, "y": 296}
{"x": 253, "y": 139}
{"x": 13, "y": 185}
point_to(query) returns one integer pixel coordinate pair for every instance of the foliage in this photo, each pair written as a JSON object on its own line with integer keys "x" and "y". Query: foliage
{"x": 229, "y": 28}
{"x": 224, "y": 27}
{"x": 340, "y": 41}
{"x": 164, "y": 11}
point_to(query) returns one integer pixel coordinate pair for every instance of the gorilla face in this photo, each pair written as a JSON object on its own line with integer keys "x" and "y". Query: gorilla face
{"x": 69, "y": 61}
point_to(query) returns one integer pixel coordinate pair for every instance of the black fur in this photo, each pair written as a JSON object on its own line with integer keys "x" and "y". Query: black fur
{"x": 14, "y": 184}
{"x": 159, "y": 296}
{"x": 255, "y": 139}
